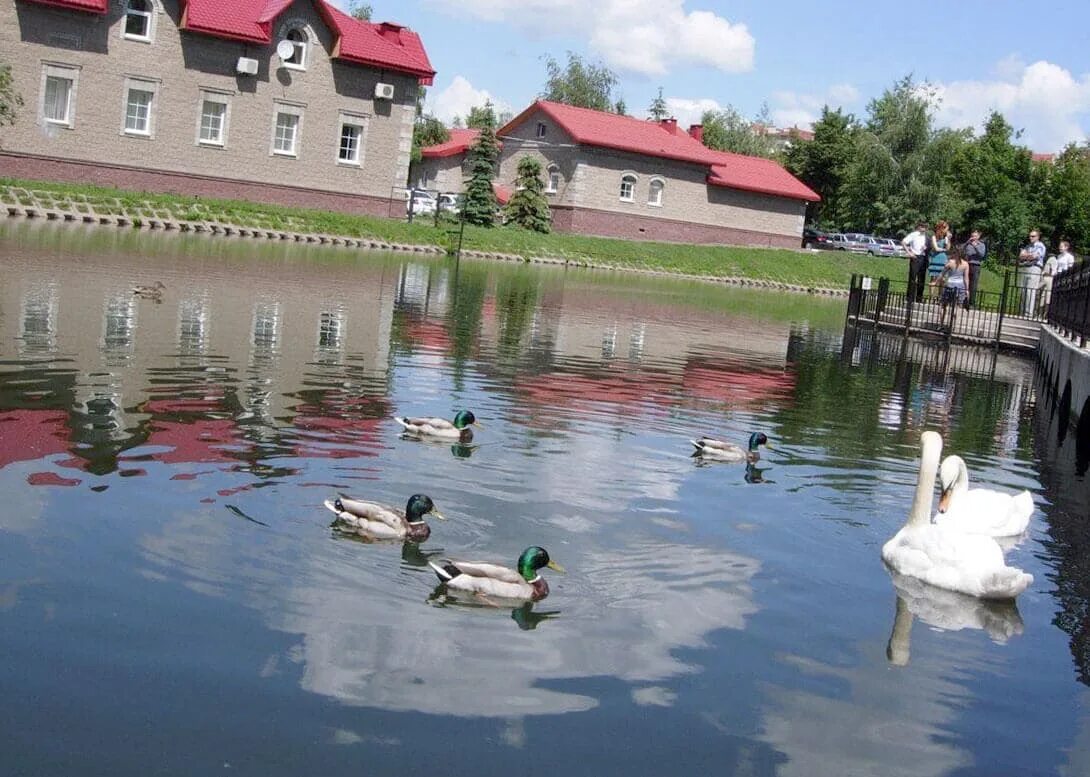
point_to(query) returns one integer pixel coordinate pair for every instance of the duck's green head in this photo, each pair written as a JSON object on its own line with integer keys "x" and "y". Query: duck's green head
{"x": 464, "y": 418}
{"x": 533, "y": 559}
{"x": 758, "y": 438}
{"x": 420, "y": 505}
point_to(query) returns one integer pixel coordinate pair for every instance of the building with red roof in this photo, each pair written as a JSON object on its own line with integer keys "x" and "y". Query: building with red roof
{"x": 619, "y": 176}
{"x": 285, "y": 101}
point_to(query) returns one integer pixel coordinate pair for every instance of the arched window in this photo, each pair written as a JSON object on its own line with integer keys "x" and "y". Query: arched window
{"x": 298, "y": 39}
{"x": 554, "y": 180}
{"x": 628, "y": 187}
{"x": 138, "y": 19}
{"x": 654, "y": 193}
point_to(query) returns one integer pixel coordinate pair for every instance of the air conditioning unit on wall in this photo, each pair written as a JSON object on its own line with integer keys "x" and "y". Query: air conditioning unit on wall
{"x": 384, "y": 91}
{"x": 246, "y": 66}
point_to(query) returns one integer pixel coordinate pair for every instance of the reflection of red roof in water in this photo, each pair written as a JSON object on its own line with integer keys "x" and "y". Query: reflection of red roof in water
{"x": 736, "y": 384}
{"x": 339, "y": 426}
{"x": 26, "y": 434}
{"x": 613, "y": 387}
{"x": 430, "y": 334}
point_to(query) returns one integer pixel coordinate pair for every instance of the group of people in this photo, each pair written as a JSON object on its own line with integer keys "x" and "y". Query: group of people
{"x": 933, "y": 257}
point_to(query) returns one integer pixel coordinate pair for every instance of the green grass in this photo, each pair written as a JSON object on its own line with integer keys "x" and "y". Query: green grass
{"x": 822, "y": 269}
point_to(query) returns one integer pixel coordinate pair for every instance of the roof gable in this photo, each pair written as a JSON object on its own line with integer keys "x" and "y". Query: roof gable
{"x": 385, "y": 45}
{"x": 459, "y": 142}
{"x": 93, "y": 6}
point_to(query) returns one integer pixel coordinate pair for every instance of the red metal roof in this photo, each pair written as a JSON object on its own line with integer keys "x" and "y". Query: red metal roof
{"x": 93, "y": 6}
{"x": 756, "y": 174}
{"x": 623, "y": 133}
{"x": 384, "y": 45}
{"x": 459, "y": 142}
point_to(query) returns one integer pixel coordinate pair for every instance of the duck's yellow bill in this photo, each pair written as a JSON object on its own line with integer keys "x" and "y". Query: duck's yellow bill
{"x": 770, "y": 446}
{"x": 478, "y": 424}
{"x": 557, "y": 567}
{"x": 438, "y": 515}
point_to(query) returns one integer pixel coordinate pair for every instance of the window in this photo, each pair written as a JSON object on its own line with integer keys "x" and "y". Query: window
{"x": 628, "y": 187}
{"x": 298, "y": 58}
{"x": 212, "y": 127}
{"x": 541, "y": 129}
{"x": 138, "y": 111}
{"x": 138, "y": 20}
{"x": 57, "y": 101}
{"x": 654, "y": 193}
{"x": 554, "y": 180}
{"x": 349, "y": 149}
{"x": 286, "y": 129}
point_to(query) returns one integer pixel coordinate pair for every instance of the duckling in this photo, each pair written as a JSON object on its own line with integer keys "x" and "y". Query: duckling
{"x": 154, "y": 291}
{"x": 458, "y": 429}
{"x": 370, "y": 519}
{"x": 711, "y": 448}
{"x": 494, "y": 580}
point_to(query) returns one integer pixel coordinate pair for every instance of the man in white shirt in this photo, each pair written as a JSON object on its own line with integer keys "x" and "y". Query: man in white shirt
{"x": 1031, "y": 261}
{"x": 915, "y": 245}
{"x": 1064, "y": 260}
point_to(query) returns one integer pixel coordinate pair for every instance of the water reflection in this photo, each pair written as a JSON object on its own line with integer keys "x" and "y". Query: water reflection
{"x": 38, "y": 320}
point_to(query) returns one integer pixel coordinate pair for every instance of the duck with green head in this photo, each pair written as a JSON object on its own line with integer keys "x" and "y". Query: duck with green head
{"x": 524, "y": 583}
{"x": 458, "y": 429}
{"x": 711, "y": 448}
{"x": 377, "y": 521}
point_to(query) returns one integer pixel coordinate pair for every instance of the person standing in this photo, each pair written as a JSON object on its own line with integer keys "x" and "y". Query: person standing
{"x": 939, "y": 245}
{"x": 974, "y": 252}
{"x": 915, "y": 245}
{"x": 1064, "y": 260}
{"x": 1031, "y": 261}
{"x": 955, "y": 278}
{"x": 1044, "y": 292}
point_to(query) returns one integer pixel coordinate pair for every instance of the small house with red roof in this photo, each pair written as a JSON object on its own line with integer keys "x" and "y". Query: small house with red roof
{"x": 283, "y": 101}
{"x": 618, "y": 176}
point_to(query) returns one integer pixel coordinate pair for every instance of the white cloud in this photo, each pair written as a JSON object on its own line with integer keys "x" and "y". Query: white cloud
{"x": 639, "y": 36}
{"x": 801, "y": 109}
{"x": 688, "y": 111}
{"x": 1044, "y": 99}
{"x": 458, "y": 98}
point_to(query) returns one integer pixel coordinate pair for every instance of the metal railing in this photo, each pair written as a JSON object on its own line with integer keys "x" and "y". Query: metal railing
{"x": 1069, "y": 309}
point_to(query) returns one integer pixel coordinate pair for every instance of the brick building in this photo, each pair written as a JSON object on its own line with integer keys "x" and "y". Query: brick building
{"x": 282, "y": 101}
{"x": 618, "y": 176}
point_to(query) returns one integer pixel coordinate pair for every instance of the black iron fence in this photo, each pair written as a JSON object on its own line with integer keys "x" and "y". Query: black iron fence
{"x": 1069, "y": 310}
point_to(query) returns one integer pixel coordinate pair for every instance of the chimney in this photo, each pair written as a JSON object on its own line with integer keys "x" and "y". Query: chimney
{"x": 669, "y": 125}
{"x": 696, "y": 132}
{"x": 391, "y": 31}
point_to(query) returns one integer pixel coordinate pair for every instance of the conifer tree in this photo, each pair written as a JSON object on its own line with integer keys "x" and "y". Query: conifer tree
{"x": 658, "y": 110}
{"x": 528, "y": 207}
{"x": 480, "y": 200}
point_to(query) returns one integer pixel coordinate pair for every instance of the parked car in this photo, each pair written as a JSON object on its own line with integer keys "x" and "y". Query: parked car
{"x": 839, "y": 242}
{"x": 858, "y": 243}
{"x": 420, "y": 203}
{"x": 887, "y": 246}
{"x": 450, "y": 203}
{"x": 815, "y": 238}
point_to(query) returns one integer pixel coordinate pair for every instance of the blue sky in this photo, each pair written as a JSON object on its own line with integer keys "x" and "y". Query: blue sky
{"x": 1033, "y": 65}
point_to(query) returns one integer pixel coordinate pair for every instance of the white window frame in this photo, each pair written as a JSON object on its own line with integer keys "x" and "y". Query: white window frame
{"x": 656, "y": 184}
{"x": 631, "y": 179}
{"x": 141, "y": 85}
{"x": 68, "y": 73}
{"x": 542, "y": 128}
{"x": 149, "y": 16}
{"x": 552, "y": 179}
{"x": 359, "y": 121}
{"x": 302, "y": 47}
{"x": 222, "y": 98}
{"x": 291, "y": 109}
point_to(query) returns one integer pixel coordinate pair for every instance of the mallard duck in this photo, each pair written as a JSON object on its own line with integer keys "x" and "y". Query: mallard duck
{"x": 945, "y": 558}
{"x": 458, "y": 429}
{"x": 495, "y": 580}
{"x": 154, "y": 291}
{"x": 711, "y": 448}
{"x": 979, "y": 510}
{"x": 370, "y": 519}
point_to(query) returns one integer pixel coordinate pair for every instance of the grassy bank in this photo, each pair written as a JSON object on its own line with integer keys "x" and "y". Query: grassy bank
{"x": 824, "y": 269}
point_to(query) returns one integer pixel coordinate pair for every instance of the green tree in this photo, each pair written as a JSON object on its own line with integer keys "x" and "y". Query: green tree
{"x": 427, "y": 131}
{"x": 361, "y": 11}
{"x": 582, "y": 84}
{"x": 528, "y": 207}
{"x": 480, "y": 201}
{"x": 479, "y": 116}
{"x": 658, "y": 111}
{"x": 1066, "y": 201}
{"x": 10, "y": 100}
{"x": 822, "y": 163}
{"x": 729, "y": 130}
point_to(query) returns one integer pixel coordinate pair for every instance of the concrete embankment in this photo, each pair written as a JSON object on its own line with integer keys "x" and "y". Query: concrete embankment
{"x": 1066, "y": 368}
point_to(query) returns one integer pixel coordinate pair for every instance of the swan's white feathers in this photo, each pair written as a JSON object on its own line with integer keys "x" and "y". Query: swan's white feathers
{"x": 981, "y": 510}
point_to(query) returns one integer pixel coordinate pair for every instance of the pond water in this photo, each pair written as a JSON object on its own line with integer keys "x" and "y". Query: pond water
{"x": 173, "y": 600}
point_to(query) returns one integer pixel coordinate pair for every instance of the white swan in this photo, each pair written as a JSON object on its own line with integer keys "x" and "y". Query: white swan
{"x": 979, "y": 510}
{"x": 969, "y": 563}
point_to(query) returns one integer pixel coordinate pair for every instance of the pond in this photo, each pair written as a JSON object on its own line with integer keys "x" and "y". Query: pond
{"x": 174, "y": 601}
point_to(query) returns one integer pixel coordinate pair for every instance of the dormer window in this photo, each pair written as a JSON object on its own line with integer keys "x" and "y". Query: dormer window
{"x": 138, "y": 19}
{"x": 541, "y": 129}
{"x": 298, "y": 39}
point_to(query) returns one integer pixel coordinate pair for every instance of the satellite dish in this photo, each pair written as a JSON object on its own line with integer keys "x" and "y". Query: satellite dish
{"x": 285, "y": 49}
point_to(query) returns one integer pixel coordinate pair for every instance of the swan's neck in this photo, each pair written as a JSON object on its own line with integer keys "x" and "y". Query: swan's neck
{"x": 961, "y": 482}
{"x": 925, "y": 485}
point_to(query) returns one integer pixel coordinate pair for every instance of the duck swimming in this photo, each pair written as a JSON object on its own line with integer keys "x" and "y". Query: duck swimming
{"x": 979, "y": 510}
{"x": 155, "y": 291}
{"x": 969, "y": 563}
{"x": 458, "y": 429}
{"x": 499, "y": 581}
{"x": 711, "y": 448}
{"x": 370, "y": 519}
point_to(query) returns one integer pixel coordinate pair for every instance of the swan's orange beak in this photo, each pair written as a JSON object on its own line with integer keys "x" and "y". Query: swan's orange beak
{"x": 944, "y": 500}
